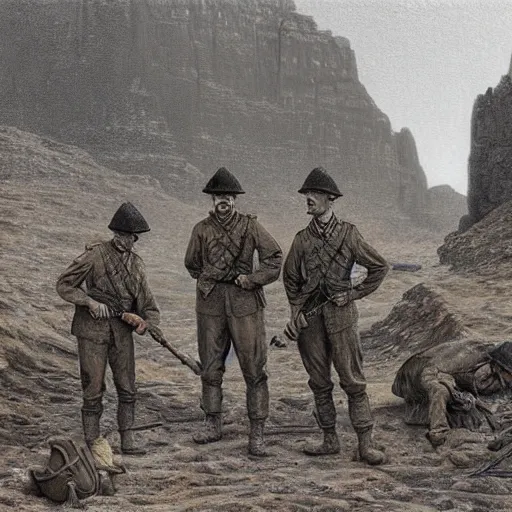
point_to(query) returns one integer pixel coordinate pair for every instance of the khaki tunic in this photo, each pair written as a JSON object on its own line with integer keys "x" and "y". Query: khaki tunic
{"x": 428, "y": 379}
{"x": 216, "y": 255}
{"x": 103, "y": 268}
{"x": 318, "y": 266}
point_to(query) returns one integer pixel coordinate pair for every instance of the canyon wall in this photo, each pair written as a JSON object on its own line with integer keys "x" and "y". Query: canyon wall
{"x": 177, "y": 88}
{"x": 490, "y": 161}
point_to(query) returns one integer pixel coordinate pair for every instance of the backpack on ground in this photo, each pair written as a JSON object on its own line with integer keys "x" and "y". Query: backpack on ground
{"x": 70, "y": 474}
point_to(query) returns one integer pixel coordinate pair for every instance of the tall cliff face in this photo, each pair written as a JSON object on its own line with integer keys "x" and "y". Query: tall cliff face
{"x": 249, "y": 84}
{"x": 490, "y": 161}
{"x": 412, "y": 182}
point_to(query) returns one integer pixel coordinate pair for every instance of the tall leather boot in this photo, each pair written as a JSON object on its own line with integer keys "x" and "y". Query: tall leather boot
{"x": 91, "y": 426}
{"x": 125, "y": 419}
{"x": 256, "y": 440}
{"x": 211, "y": 430}
{"x": 330, "y": 445}
{"x": 367, "y": 452}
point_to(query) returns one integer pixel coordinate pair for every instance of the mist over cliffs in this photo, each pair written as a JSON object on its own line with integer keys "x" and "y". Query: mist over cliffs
{"x": 177, "y": 88}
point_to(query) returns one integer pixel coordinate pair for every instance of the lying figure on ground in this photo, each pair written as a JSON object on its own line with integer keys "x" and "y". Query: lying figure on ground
{"x": 441, "y": 385}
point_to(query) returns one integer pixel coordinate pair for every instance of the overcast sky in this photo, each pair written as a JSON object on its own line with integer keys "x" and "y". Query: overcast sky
{"x": 424, "y": 62}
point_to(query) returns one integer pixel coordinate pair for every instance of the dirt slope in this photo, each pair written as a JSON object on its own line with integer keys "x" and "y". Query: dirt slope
{"x": 54, "y": 199}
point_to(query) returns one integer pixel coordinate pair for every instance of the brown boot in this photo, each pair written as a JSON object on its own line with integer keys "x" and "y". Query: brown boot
{"x": 128, "y": 444}
{"x": 256, "y": 441}
{"x": 211, "y": 431}
{"x": 330, "y": 445}
{"x": 125, "y": 420}
{"x": 367, "y": 452}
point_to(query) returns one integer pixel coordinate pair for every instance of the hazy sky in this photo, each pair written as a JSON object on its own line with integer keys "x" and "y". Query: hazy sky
{"x": 424, "y": 62}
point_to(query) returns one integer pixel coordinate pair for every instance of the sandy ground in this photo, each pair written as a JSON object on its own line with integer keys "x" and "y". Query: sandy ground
{"x": 40, "y": 390}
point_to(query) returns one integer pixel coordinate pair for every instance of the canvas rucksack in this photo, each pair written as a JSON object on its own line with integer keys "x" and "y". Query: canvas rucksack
{"x": 70, "y": 474}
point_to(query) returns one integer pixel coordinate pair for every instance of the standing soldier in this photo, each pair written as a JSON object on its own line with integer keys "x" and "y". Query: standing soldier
{"x": 115, "y": 280}
{"x": 230, "y": 302}
{"x": 323, "y": 313}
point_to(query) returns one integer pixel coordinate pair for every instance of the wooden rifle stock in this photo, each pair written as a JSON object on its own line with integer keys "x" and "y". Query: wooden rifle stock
{"x": 158, "y": 336}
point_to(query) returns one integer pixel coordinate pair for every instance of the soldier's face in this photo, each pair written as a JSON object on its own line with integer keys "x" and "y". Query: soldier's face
{"x": 223, "y": 204}
{"x": 489, "y": 381}
{"x": 126, "y": 240}
{"x": 317, "y": 203}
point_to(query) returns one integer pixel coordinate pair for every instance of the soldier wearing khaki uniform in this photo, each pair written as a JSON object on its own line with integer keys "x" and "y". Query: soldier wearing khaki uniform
{"x": 230, "y": 302}
{"x": 441, "y": 385}
{"x": 324, "y": 316}
{"x": 109, "y": 276}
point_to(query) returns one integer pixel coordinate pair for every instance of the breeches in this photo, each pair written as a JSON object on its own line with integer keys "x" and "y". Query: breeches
{"x": 93, "y": 355}
{"x": 437, "y": 386}
{"x": 320, "y": 349}
{"x": 247, "y": 333}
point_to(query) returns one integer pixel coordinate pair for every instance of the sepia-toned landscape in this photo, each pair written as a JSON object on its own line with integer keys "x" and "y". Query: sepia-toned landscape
{"x": 152, "y": 130}
{"x": 59, "y": 199}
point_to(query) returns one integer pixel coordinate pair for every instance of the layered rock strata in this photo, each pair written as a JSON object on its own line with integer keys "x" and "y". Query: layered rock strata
{"x": 250, "y": 84}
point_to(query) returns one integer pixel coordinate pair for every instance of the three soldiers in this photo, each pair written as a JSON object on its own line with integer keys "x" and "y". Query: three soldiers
{"x": 105, "y": 281}
{"x": 232, "y": 257}
{"x": 323, "y": 313}
{"x": 230, "y": 302}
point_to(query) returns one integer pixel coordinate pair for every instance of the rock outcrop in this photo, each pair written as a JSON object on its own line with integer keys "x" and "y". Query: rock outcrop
{"x": 249, "y": 84}
{"x": 420, "y": 320}
{"x": 490, "y": 162}
{"x": 412, "y": 182}
{"x": 484, "y": 248}
{"x": 444, "y": 206}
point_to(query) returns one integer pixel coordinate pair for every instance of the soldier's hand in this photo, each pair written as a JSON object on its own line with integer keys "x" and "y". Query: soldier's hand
{"x": 294, "y": 312}
{"x": 136, "y": 321}
{"x": 295, "y": 325}
{"x": 341, "y": 299}
{"x": 98, "y": 310}
{"x": 243, "y": 281}
{"x": 142, "y": 327}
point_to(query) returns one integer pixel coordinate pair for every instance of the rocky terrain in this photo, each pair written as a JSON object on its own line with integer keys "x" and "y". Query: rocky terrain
{"x": 443, "y": 206}
{"x": 490, "y": 184}
{"x": 168, "y": 87}
{"x": 56, "y": 198}
{"x": 484, "y": 247}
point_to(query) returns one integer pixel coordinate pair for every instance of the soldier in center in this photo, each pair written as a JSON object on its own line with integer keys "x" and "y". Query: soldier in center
{"x": 230, "y": 302}
{"x": 324, "y": 316}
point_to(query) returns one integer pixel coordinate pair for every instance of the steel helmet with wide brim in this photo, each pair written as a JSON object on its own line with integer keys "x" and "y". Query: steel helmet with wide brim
{"x": 128, "y": 219}
{"x": 319, "y": 181}
{"x": 223, "y": 182}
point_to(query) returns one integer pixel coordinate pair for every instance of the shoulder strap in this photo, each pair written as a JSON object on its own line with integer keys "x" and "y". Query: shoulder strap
{"x": 51, "y": 474}
{"x": 239, "y": 248}
{"x": 242, "y": 241}
{"x": 128, "y": 277}
{"x": 332, "y": 257}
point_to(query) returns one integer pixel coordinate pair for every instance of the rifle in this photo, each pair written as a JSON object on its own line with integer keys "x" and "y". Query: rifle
{"x": 117, "y": 311}
{"x": 316, "y": 301}
{"x": 293, "y": 428}
{"x": 489, "y": 469}
{"x": 185, "y": 359}
{"x": 504, "y": 440}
